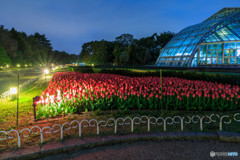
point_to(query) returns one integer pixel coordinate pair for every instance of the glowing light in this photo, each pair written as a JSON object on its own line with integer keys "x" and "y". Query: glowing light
{"x": 13, "y": 90}
{"x": 18, "y": 65}
{"x": 46, "y": 71}
{"x": 7, "y": 65}
{"x": 238, "y": 52}
{"x": 26, "y": 65}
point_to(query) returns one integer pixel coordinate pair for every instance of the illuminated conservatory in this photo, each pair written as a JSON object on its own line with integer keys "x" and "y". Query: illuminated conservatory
{"x": 213, "y": 42}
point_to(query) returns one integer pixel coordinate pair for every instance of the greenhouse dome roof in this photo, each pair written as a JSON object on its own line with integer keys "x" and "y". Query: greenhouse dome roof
{"x": 221, "y": 27}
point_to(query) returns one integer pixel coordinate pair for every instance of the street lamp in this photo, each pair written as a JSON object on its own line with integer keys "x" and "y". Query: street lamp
{"x": 13, "y": 93}
{"x": 46, "y": 71}
{"x": 13, "y": 90}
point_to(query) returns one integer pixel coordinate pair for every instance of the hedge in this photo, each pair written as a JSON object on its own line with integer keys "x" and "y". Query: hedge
{"x": 219, "y": 77}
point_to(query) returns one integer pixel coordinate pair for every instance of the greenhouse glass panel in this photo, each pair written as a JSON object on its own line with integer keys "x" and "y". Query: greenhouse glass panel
{"x": 201, "y": 54}
{"x": 238, "y": 45}
{"x": 202, "y": 61}
{"x": 219, "y": 60}
{"x": 214, "y": 53}
{"x": 220, "y": 46}
{"x": 233, "y": 45}
{"x": 215, "y": 46}
{"x": 226, "y": 53}
{"x": 209, "y": 47}
{"x": 220, "y": 53}
{"x": 214, "y": 61}
{"x": 238, "y": 60}
{"x": 208, "y": 60}
{"x": 226, "y": 45}
{"x": 232, "y": 60}
{"x": 226, "y": 60}
{"x": 233, "y": 52}
{"x": 238, "y": 53}
{"x": 209, "y": 54}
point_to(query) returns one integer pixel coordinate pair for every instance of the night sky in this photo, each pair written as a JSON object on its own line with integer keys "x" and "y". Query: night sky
{"x": 70, "y": 23}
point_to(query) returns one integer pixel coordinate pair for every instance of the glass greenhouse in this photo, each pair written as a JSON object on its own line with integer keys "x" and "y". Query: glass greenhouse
{"x": 213, "y": 42}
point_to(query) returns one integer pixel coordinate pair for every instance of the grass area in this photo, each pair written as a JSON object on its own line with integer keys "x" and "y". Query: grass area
{"x": 60, "y": 70}
{"x": 8, "y": 109}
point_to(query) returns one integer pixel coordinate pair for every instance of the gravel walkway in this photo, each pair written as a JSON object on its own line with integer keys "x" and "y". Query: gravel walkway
{"x": 162, "y": 150}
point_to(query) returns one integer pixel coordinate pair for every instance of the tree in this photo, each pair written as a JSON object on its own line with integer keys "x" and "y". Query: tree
{"x": 119, "y": 48}
{"x": 8, "y": 42}
{"x": 125, "y": 50}
{"x": 23, "y": 45}
{"x": 18, "y": 59}
{"x": 125, "y": 39}
{"x": 97, "y": 52}
{"x": 164, "y": 38}
{"x": 42, "y": 49}
{"x": 87, "y": 50}
{"x": 124, "y": 58}
{"x": 132, "y": 52}
{"x": 35, "y": 49}
{"x": 4, "y": 59}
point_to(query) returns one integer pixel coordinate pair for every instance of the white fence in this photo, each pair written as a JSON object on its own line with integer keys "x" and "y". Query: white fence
{"x": 6, "y": 95}
{"x": 116, "y": 123}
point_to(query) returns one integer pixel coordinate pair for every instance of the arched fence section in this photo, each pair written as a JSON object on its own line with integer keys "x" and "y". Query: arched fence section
{"x": 162, "y": 122}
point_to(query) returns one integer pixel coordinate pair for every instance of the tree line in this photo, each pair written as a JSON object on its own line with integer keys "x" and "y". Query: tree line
{"x": 19, "y": 49}
{"x": 125, "y": 50}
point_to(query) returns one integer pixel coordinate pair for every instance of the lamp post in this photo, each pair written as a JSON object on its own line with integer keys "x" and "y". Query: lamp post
{"x": 14, "y": 91}
{"x": 46, "y": 71}
{"x": 18, "y": 90}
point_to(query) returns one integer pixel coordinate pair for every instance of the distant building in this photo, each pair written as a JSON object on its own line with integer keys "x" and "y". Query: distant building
{"x": 125, "y": 39}
{"x": 213, "y": 42}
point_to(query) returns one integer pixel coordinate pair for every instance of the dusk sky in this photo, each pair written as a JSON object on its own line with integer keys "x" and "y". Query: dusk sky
{"x": 70, "y": 23}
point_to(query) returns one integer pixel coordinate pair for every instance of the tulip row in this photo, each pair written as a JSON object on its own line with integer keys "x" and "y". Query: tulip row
{"x": 71, "y": 92}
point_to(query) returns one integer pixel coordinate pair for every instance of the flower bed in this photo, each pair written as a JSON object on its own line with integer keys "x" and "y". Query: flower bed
{"x": 73, "y": 92}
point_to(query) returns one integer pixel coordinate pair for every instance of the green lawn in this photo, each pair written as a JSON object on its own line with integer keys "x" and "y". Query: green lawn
{"x": 8, "y": 108}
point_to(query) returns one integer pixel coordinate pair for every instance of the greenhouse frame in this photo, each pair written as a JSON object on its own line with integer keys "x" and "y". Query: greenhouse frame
{"x": 213, "y": 42}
